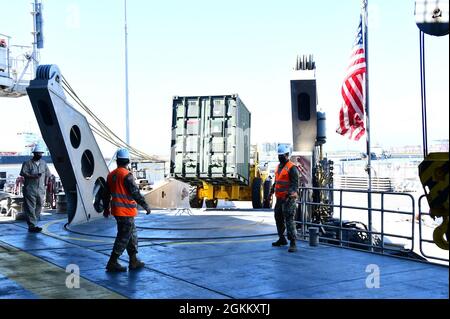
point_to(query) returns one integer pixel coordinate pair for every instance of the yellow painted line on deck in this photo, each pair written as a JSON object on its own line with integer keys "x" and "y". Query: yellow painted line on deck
{"x": 46, "y": 280}
{"x": 49, "y": 233}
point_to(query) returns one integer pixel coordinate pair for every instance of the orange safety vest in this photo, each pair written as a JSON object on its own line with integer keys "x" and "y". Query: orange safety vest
{"x": 122, "y": 204}
{"x": 282, "y": 181}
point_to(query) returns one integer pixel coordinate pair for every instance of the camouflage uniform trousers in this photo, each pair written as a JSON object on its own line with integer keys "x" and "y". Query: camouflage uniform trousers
{"x": 126, "y": 236}
{"x": 285, "y": 211}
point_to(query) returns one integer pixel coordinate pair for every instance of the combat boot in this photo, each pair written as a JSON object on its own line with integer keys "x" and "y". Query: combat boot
{"x": 280, "y": 242}
{"x": 135, "y": 263}
{"x": 292, "y": 247}
{"x": 34, "y": 229}
{"x": 113, "y": 264}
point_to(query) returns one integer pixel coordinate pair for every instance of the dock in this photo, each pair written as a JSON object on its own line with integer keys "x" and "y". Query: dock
{"x": 200, "y": 254}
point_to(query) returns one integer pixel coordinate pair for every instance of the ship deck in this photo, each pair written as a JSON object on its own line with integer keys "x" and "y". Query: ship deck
{"x": 203, "y": 255}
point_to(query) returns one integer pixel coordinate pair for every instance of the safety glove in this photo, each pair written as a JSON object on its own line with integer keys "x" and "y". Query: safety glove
{"x": 106, "y": 212}
{"x": 293, "y": 195}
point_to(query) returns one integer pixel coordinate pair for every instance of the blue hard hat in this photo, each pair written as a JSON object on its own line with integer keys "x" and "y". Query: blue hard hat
{"x": 123, "y": 153}
{"x": 39, "y": 148}
{"x": 283, "y": 149}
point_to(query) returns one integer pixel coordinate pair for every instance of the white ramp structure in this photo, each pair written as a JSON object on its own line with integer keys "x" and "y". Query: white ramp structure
{"x": 74, "y": 150}
{"x": 171, "y": 194}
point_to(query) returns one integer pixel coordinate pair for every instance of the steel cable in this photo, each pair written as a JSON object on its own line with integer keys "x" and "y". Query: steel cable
{"x": 102, "y": 130}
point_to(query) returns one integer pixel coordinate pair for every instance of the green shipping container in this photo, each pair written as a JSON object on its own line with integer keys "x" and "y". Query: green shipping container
{"x": 210, "y": 140}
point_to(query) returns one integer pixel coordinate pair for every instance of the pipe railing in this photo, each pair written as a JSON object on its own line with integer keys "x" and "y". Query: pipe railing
{"x": 306, "y": 204}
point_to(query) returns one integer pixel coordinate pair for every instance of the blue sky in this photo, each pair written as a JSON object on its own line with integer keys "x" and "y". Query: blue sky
{"x": 221, "y": 47}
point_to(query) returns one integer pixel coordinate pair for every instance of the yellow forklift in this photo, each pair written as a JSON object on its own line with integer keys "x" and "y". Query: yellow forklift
{"x": 257, "y": 191}
{"x": 211, "y": 151}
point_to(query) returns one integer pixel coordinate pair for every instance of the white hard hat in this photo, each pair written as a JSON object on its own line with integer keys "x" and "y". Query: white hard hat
{"x": 39, "y": 148}
{"x": 283, "y": 149}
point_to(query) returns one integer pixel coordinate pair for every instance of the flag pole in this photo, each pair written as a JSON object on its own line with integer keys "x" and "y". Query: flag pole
{"x": 127, "y": 106}
{"x": 366, "y": 107}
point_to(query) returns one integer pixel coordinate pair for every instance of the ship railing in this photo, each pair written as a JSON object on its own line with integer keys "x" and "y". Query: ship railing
{"x": 377, "y": 208}
{"x": 18, "y": 59}
{"x": 19, "y": 64}
{"x": 424, "y": 241}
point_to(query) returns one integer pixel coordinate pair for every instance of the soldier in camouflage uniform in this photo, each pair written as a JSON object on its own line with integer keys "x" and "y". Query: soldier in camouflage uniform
{"x": 124, "y": 196}
{"x": 286, "y": 191}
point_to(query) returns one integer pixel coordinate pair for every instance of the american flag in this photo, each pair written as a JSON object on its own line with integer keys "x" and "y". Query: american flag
{"x": 351, "y": 115}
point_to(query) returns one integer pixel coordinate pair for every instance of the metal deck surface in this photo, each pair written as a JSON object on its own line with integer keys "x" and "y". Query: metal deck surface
{"x": 206, "y": 255}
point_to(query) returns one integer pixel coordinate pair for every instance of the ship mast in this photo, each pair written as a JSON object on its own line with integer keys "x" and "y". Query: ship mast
{"x": 38, "y": 38}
